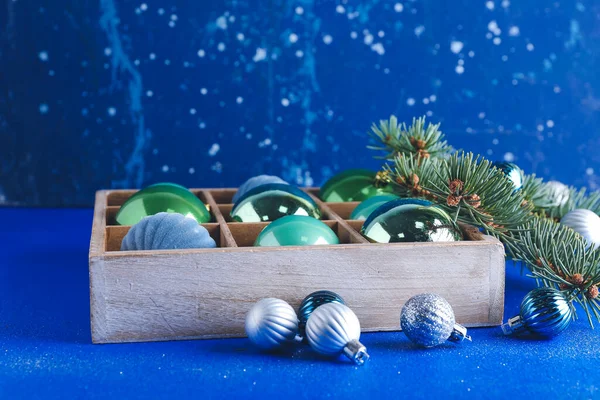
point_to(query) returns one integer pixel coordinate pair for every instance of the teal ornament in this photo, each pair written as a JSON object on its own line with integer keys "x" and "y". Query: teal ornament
{"x": 512, "y": 172}
{"x": 410, "y": 220}
{"x": 272, "y": 201}
{"x": 255, "y": 182}
{"x": 352, "y": 185}
{"x": 364, "y": 209}
{"x": 296, "y": 230}
{"x": 312, "y": 301}
{"x": 167, "y": 231}
{"x": 545, "y": 312}
{"x": 162, "y": 197}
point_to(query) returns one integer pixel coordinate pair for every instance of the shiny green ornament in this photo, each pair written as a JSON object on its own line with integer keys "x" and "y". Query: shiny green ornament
{"x": 273, "y": 201}
{"x": 352, "y": 185}
{"x": 410, "y": 220}
{"x": 364, "y": 209}
{"x": 162, "y": 197}
{"x": 296, "y": 230}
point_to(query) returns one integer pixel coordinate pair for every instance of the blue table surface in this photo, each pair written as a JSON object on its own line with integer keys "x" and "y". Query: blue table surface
{"x": 46, "y": 350}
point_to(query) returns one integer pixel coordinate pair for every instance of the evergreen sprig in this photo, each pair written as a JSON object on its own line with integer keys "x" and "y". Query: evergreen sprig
{"x": 393, "y": 139}
{"x": 474, "y": 192}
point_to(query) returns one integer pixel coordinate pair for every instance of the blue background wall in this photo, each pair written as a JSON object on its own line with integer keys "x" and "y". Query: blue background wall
{"x": 109, "y": 93}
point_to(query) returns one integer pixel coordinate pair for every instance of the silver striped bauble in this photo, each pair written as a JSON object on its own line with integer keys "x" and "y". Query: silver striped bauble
{"x": 584, "y": 222}
{"x": 314, "y": 300}
{"x": 558, "y": 193}
{"x": 167, "y": 231}
{"x": 271, "y": 323}
{"x": 333, "y": 328}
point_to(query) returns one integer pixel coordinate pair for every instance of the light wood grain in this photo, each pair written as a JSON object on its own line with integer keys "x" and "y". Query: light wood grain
{"x": 205, "y": 293}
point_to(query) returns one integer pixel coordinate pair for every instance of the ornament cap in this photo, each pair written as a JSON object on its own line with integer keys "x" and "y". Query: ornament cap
{"x": 356, "y": 351}
{"x": 459, "y": 333}
{"x": 514, "y": 326}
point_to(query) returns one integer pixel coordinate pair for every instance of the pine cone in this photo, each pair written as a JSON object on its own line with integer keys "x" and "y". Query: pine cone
{"x": 455, "y": 185}
{"x": 453, "y": 200}
{"x": 576, "y": 279}
{"x": 474, "y": 200}
{"x": 592, "y": 292}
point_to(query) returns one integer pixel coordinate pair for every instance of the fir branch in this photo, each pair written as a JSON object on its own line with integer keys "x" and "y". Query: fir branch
{"x": 394, "y": 139}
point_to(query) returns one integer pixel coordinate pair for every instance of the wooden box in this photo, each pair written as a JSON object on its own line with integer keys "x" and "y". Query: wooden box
{"x": 206, "y": 293}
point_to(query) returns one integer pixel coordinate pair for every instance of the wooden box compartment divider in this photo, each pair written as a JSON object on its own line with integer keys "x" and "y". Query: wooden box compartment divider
{"x": 205, "y": 293}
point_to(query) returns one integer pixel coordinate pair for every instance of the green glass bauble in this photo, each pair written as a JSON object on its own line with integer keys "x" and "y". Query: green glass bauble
{"x": 273, "y": 201}
{"x": 410, "y": 220}
{"x": 352, "y": 185}
{"x": 364, "y": 209}
{"x": 296, "y": 230}
{"x": 162, "y": 197}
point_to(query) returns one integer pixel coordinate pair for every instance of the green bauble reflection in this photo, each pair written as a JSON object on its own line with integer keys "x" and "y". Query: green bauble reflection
{"x": 272, "y": 201}
{"x": 410, "y": 220}
{"x": 364, "y": 209}
{"x": 296, "y": 230}
{"x": 352, "y": 185}
{"x": 162, "y": 197}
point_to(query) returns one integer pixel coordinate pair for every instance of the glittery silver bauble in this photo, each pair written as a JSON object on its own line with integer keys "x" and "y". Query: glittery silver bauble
{"x": 314, "y": 300}
{"x": 271, "y": 323}
{"x": 545, "y": 312}
{"x": 332, "y": 329}
{"x": 428, "y": 320}
{"x": 558, "y": 193}
{"x": 256, "y": 181}
{"x": 167, "y": 231}
{"x": 584, "y": 222}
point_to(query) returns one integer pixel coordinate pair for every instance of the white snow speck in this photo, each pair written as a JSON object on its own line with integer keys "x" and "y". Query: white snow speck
{"x": 240, "y": 36}
{"x": 589, "y": 171}
{"x": 456, "y": 46}
{"x": 43, "y": 56}
{"x": 221, "y": 46}
{"x": 378, "y": 48}
{"x": 112, "y": 111}
{"x": 299, "y": 53}
{"x": 459, "y": 69}
{"x": 165, "y": 168}
{"x": 299, "y": 10}
{"x": 550, "y": 123}
{"x": 203, "y": 91}
{"x": 490, "y": 5}
{"x": 398, "y": 7}
{"x": 192, "y": 111}
{"x": 509, "y": 157}
{"x": 419, "y": 30}
{"x": 471, "y": 54}
{"x": 497, "y": 41}
{"x": 239, "y": 100}
{"x": 260, "y": 54}
{"x": 327, "y": 39}
{"x": 152, "y": 56}
{"x": 285, "y": 102}
{"x": 540, "y": 128}
{"x": 107, "y": 51}
{"x": 293, "y": 38}
{"x": 493, "y": 27}
{"x": 143, "y": 6}
{"x": 201, "y": 53}
{"x": 340, "y": 9}
{"x": 44, "y": 108}
{"x": 149, "y": 93}
{"x": 505, "y": 3}
{"x": 192, "y": 170}
{"x": 514, "y": 31}
{"x": 530, "y": 46}
{"x": 353, "y": 35}
{"x": 368, "y": 39}
{"x": 214, "y": 149}
{"x": 221, "y": 22}
{"x": 410, "y": 101}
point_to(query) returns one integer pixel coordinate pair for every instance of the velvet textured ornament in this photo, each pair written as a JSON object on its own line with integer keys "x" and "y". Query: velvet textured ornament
{"x": 162, "y": 197}
{"x": 167, "y": 231}
{"x": 272, "y": 201}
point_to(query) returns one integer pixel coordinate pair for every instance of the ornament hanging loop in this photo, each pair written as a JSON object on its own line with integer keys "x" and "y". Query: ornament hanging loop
{"x": 356, "y": 352}
{"x": 459, "y": 333}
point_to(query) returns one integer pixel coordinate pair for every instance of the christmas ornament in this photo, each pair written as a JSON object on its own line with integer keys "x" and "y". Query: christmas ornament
{"x": 352, "y": 185}
{"x": 255, "y": 182}
{"x": 428, "y": 320}
{"x": 364, "y": 209}
{"x": 271, "y": 323}
{"x": 410, "y": 220}
{"x": 512, "y": 172}
{"x": 311, "y": 302}
{"x": 544, "y": 312}
{"x": 584, "y": 222}
{"x": 272, "y": 201}
{"x": 296, "y": 230}
{"x": 162, "y": 197}
{"x": 558, "y": 193}
{"x": 166, "y": 231}
{"x": 332, "y": 329}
